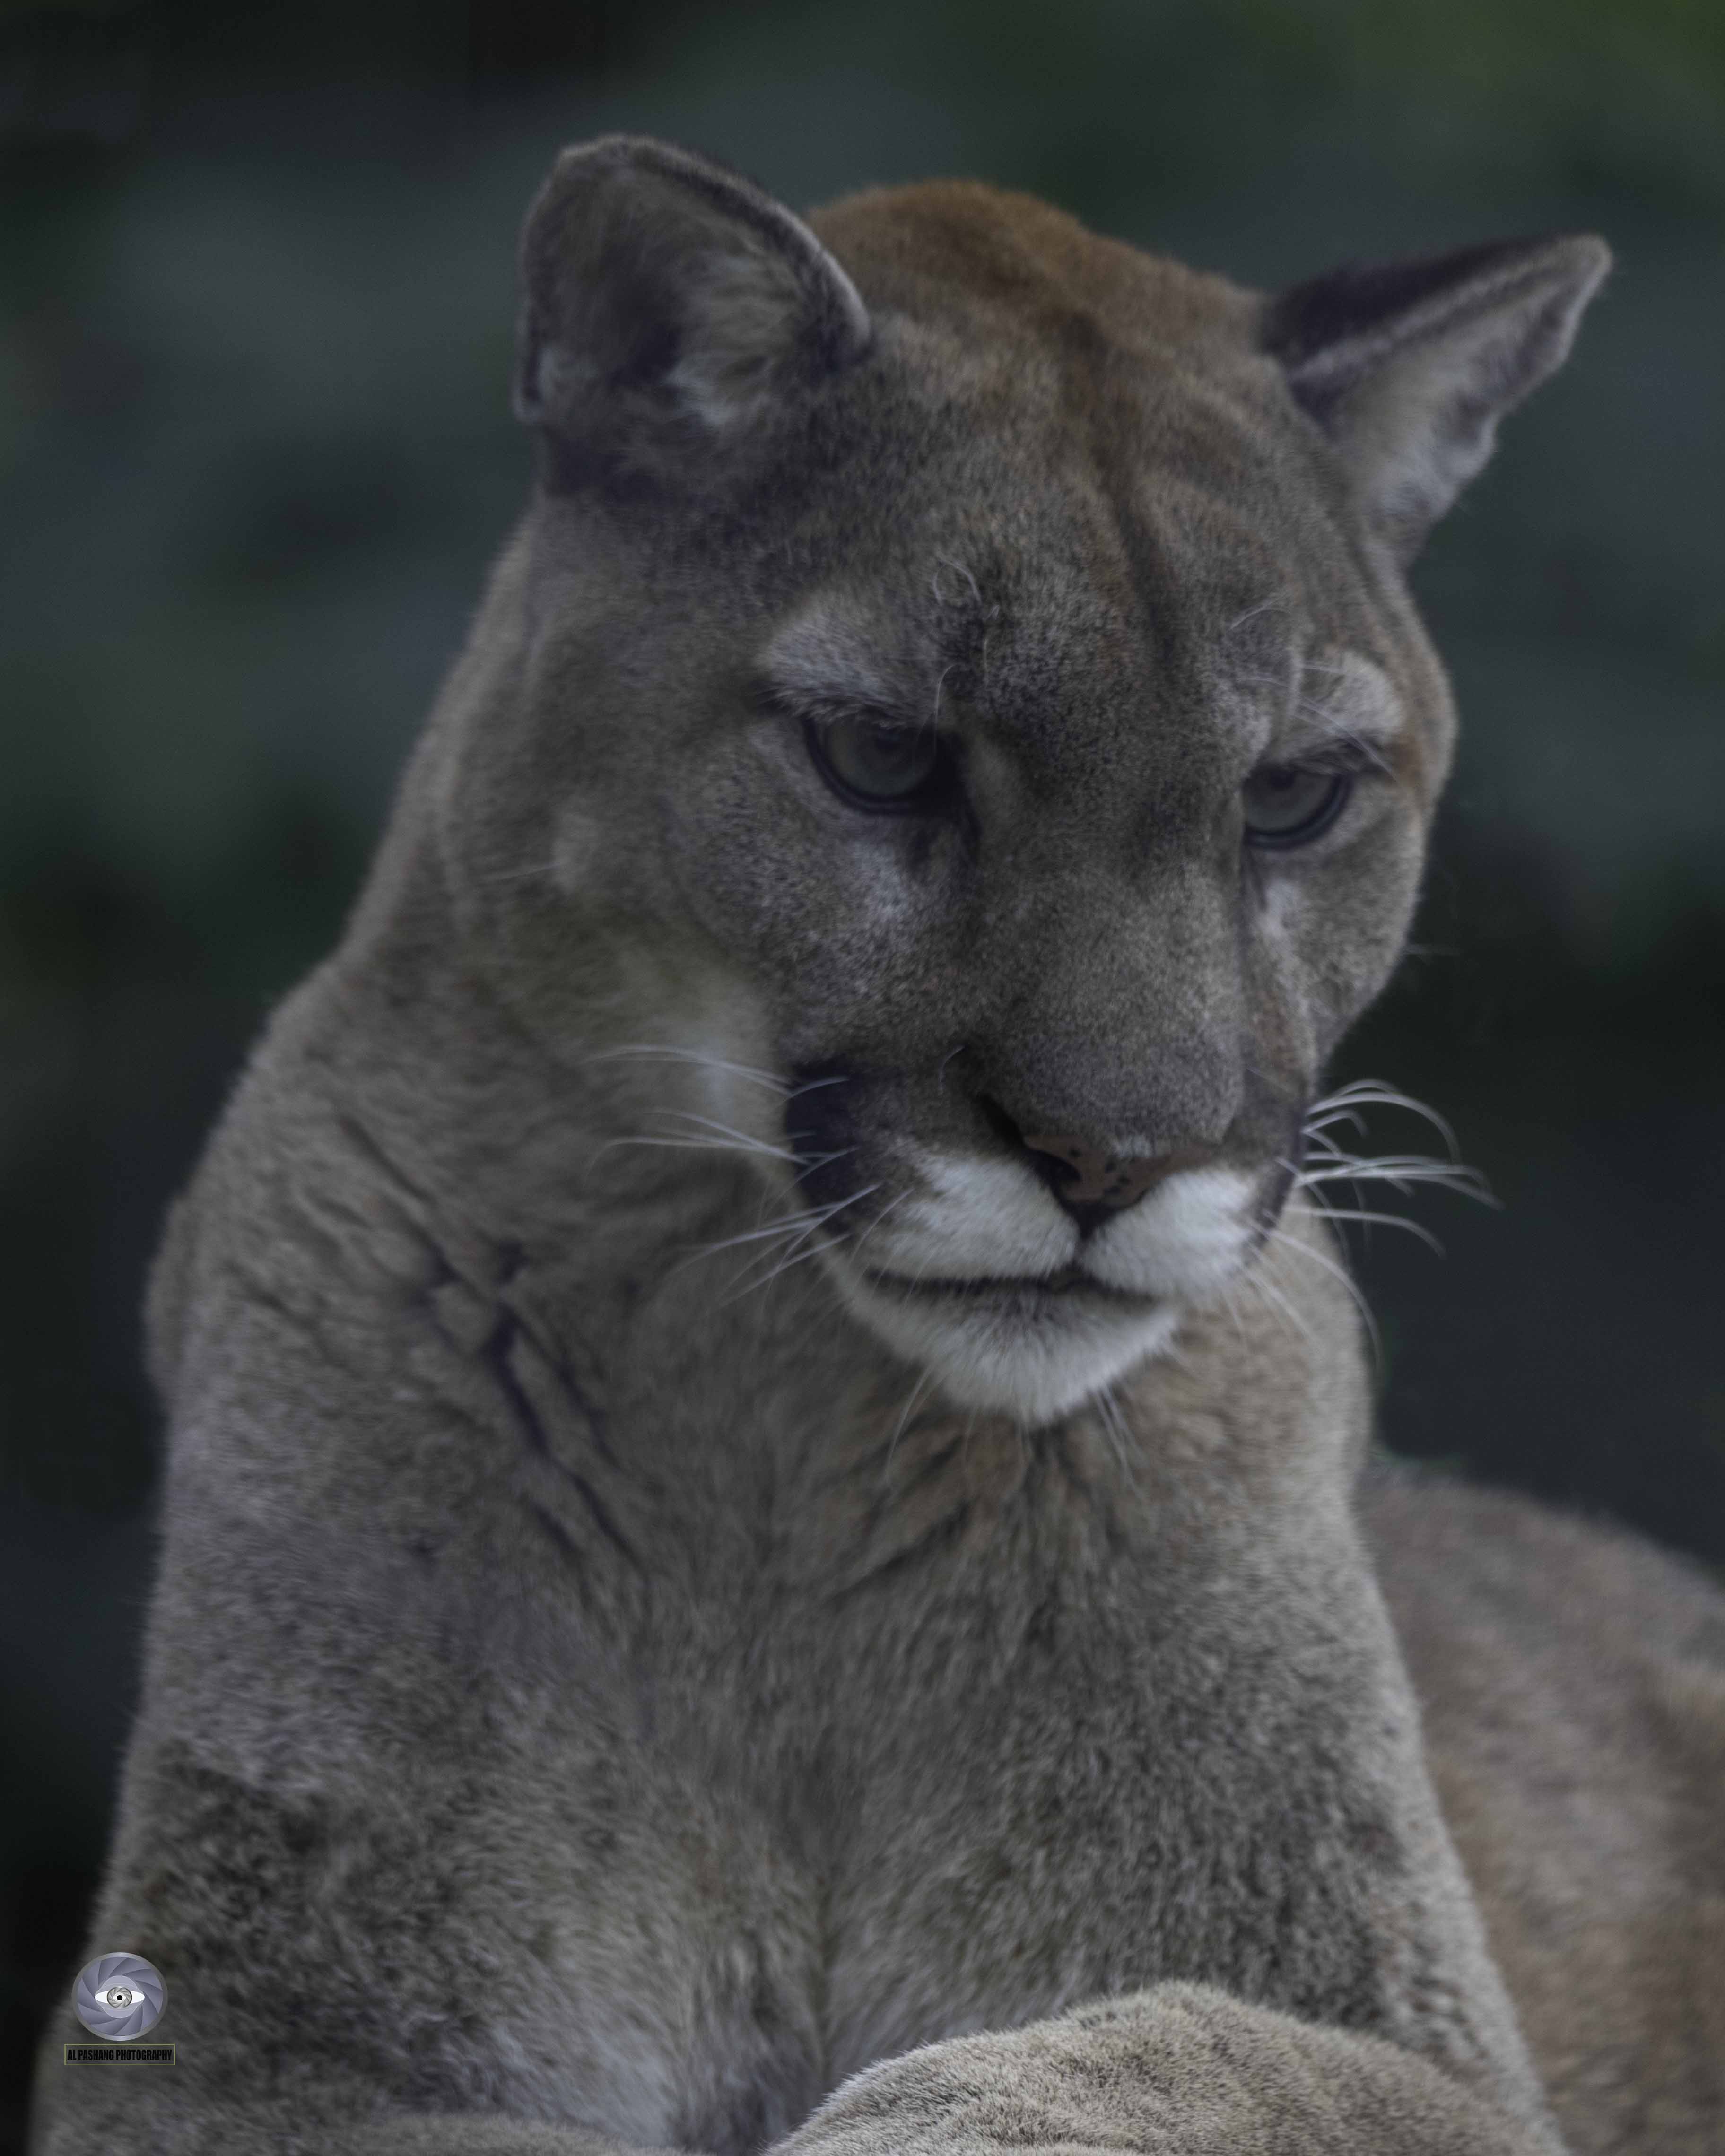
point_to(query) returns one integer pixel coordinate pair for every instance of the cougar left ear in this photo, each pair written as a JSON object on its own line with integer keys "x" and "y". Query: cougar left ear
{"x": 669, "y": 307}
{"x": 1409, "y": 365}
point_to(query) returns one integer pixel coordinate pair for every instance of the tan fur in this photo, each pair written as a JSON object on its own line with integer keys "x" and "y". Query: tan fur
{"x": 1573, "y": 1682}
{"x": 936, "y": 1698}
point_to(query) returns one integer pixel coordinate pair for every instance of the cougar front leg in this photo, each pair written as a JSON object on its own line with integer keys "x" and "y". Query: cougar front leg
{"x": 1182, "y": 2070}
{"x": 1280, "y": 1952}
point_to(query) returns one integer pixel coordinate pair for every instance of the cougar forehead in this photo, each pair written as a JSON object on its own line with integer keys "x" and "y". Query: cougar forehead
{"x": 1064, "y": 519}
{"x": 955, "y": 248}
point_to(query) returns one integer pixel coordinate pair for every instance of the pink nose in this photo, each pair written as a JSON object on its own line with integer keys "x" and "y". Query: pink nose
{"x": 1104, "y": 1179}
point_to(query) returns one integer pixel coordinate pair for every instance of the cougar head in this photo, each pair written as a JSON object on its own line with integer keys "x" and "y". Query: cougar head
{"x": 960, "y": 669}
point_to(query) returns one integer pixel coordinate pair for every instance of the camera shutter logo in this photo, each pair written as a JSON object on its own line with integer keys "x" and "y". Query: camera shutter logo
{"x": 118, "y": 1996}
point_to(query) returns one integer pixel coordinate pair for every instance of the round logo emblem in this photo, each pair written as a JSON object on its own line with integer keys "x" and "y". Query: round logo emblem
{"x": 118, "y": 1996}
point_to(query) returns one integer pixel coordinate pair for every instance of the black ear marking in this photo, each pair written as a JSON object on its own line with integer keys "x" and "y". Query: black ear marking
{"x": 1347, "y": 305}
{"x": 1409, "y": 365}
{"x": 670, "y": 307}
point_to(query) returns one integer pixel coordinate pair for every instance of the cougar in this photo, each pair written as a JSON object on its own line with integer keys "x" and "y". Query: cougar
{"x": 770, "y": 1538}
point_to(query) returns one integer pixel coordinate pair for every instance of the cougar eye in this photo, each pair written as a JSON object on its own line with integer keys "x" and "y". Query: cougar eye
{"x": 876, "y": 762}
{"x": 1287, "y": 804}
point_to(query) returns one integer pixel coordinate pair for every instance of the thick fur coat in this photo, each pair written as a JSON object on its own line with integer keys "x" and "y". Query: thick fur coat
{"x": 765, "y": 1542}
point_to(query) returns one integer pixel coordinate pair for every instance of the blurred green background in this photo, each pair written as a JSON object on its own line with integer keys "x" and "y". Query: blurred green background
{"x": 256, "y": 271}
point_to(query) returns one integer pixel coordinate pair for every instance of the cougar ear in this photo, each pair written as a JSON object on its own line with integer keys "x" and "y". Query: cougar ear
{"x": 670, "y": 307}
{"x": 1409, "y": 365}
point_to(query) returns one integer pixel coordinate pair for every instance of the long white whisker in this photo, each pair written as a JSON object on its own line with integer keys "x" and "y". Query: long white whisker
{"x": 791, "y": 1224}
{"x": 744, "y": 1138}
{"x": 1333, "y": 1157}
{"x": 879, "y": 1218}
{"x": 699, "y": 1145}
{"x": 1316, "y": 1123}
{"x": 1274, "y": 1298}
{"x": 807, "y": 1163}
{"x": 793, "y": 1257}
{"x": 1347, "y": 1281}
{"x": 779, "y": 1231}
{"x": 811, "y": 1224}
{"x": 916, "y": 1391}
{"x": 1384, "y": 1220}
{"x": 1228, "y": 1296}
{"x": 795, "y": 1254}
{"x": 1378, "y": 1092}
{"x": 1401, "y": 1174}
{"x": 1112, "y": 1423}
{"x": 792, "y": 1229}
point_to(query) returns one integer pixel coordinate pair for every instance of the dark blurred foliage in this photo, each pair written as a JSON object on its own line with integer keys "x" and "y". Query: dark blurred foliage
{"x": 255, "y": 305}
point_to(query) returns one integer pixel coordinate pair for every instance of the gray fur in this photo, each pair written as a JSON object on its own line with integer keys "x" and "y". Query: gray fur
{"x": 604, "y": 1691}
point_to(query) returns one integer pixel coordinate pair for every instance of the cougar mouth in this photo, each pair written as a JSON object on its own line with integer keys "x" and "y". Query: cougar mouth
{"x": 1069, "y": 1280}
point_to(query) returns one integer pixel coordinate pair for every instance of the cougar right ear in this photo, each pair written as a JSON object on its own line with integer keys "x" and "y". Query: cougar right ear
{"x": 670, "y": 309}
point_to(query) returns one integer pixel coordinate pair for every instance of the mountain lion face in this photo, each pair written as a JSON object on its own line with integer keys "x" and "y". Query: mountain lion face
{"x": 958, "y": 674}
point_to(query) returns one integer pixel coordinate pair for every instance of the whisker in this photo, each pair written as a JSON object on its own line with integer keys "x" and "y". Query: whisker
{"x": 1378, "y": 1093}
{"x": 698, "y": 1145}
{"x": 879, "y": 1217}
{"x": 1338, "y": 1164}
{"x": 792, "y": 1229}
{"x": 923, "y": 1382}
{"x": 946, "y": 562}
{"x": 1347, "y": 1281}
{"x": 1306, "y": 1179}
{"x": 1401, "y": 1174}
{"x": 1315, "y": 1123}
{"x": 696, "y": 1056}
{"x": 1228, "y": 1296}
{"x": 792, "y": 1224}
{"x": 1327, "y": 1151}
{"x": 1252, "y": 613}
{"x": 1384, "y": 1220}
{"x": 744, "y": 1138}
{"x": 519, "y": 875}
{"x": 781, "y": 1231}
{"x": 791, "y": 1232}
{"x": 1274, "y": 1298}
{"x": 725, "y": 1139}
{"x": 1112, "y": 1423}
{"x": 795, "y": 1256}
{"x": 808, "y": 1162}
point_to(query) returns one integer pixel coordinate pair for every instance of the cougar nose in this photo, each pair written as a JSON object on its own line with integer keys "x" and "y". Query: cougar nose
{"x": 1090, "y": 1182}
{"x": 1086, "y": 1180}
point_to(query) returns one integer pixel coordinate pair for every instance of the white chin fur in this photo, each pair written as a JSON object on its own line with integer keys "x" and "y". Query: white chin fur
{"x": 1037, "y": 1357}
{"x": 1033, "y": 1361}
